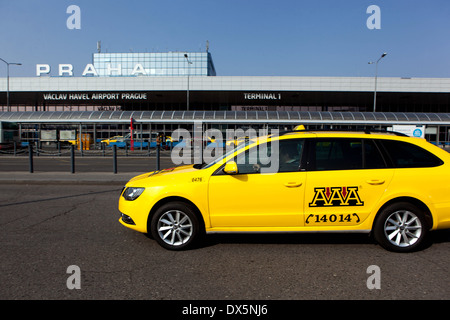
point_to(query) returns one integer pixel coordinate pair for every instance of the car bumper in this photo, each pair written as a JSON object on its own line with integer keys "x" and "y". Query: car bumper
{"x": 442, "y": 216}
{"x": 133, "y": 215}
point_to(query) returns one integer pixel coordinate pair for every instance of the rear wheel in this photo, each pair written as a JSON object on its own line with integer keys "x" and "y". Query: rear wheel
{"x": 401, "y": 227}
{"x": 175, "y": 226}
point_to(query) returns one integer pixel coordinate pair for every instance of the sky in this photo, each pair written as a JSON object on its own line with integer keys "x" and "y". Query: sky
{"x": 246, "y": 37}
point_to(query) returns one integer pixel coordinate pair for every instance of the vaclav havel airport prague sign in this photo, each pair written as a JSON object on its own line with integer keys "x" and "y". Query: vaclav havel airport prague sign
{"x": 96, "y": 96}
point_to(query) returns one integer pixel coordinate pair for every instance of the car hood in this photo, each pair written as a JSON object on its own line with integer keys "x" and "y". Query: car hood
{"x": 165, "y": 172}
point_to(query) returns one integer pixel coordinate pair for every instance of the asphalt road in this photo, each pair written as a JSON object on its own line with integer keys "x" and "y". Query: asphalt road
{"x": 44, "y": 229}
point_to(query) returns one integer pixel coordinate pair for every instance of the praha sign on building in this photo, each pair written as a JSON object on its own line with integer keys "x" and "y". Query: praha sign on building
{"x": 66, "y": 69}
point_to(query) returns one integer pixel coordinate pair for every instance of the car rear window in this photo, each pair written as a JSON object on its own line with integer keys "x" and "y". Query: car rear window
{"x": 407, "y": 155}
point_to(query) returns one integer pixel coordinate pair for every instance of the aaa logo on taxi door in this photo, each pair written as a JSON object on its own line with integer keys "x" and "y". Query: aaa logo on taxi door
{"x": 336, "y": 196}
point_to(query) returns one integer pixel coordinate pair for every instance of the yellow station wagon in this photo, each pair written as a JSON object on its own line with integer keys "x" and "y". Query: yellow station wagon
{"x": 392, "y": 186}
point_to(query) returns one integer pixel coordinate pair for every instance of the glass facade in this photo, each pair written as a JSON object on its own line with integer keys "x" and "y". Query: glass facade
{"x": 154, "y": 64}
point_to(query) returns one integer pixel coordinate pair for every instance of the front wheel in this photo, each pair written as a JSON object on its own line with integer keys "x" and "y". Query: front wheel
{"x": 401, "y": 227}
{"x": 175, "y": 226}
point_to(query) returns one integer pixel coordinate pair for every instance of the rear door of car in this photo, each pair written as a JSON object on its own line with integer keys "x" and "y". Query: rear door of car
{"x": 346, "y": 177}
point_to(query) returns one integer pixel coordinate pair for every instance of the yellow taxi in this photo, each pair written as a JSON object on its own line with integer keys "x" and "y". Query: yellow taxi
{"x": 114, "y": 139}
{"x": 393, "y": 187}
{"x": 138, "y": 136}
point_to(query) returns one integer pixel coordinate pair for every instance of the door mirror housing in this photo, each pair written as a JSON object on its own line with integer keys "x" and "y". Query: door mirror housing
{"x": 230, "y": 168}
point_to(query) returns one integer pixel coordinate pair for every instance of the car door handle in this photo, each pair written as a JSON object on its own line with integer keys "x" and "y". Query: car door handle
{"x": 293, "y": 184}
{"x": 375, "y": 182}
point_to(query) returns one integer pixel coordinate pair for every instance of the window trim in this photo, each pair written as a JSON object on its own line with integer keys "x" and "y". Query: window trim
{"x": 307, "y": 162}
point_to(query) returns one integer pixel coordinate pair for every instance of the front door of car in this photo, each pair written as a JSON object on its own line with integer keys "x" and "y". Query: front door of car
{"x": 262, "y": 193}
{"x": 346, "y": 179}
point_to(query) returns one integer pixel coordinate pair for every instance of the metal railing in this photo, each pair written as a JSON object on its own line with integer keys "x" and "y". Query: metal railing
{"x": 71, "y": 151}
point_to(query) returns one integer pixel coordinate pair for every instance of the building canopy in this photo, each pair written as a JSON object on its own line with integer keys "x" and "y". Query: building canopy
{"x": 228, "y": 117}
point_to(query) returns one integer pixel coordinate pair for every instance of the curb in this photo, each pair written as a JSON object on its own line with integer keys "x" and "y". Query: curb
{"x": 63, "y": 178}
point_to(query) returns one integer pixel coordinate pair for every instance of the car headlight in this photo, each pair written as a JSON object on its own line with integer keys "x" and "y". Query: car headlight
{"x": 131, "y": 193}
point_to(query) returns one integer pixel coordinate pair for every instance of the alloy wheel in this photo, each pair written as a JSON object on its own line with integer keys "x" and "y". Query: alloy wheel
{"x": 175, "y": 227}
{"x": 403, "y": 228}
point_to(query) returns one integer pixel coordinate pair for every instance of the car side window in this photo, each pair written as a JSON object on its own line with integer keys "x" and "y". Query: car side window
{"x": 344, "y": 154}
{"x": 290, "y": 153}
{"x": 335, "y": 154}
{"x": 270, "y": 158}
{"x": 372, "y": 156}
{"x": 407, "y": 155}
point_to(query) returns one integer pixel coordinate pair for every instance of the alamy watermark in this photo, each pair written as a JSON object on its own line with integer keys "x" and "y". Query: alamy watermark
{"x": 190, "y": 147}
{"x": 74, "y": 280}
{"x": 374, "y": 280}
{"x": 74, "y": 20}
{"x": 374, "y": 20}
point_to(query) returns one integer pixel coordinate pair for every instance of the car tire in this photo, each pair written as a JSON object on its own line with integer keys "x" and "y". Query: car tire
{"x": 401, "y": 227}
{"x": 175, "y": 226}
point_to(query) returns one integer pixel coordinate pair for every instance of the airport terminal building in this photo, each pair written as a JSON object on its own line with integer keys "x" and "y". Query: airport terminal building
{"x": 180, "y": 84}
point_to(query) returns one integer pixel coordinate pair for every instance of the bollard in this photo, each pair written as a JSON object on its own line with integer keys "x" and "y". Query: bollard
{"x": 157, "y": 158}
{"x": 114, "y": 158}
{"x": 30, "y": 152}
{"x": 72, "y": 158}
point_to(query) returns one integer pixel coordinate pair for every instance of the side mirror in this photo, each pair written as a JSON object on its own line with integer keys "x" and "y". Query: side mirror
{"x": 230, "y": 168}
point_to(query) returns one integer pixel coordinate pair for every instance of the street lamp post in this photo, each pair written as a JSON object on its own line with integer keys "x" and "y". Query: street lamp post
{"x": 7, "y": 81}
{"x": 376, "y": 79}
{"x": 189, "y": 63}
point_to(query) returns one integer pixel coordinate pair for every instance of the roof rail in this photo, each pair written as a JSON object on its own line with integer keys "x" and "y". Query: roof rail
{"x": 366, "y": 131}
{"x": 369, "y": 131}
